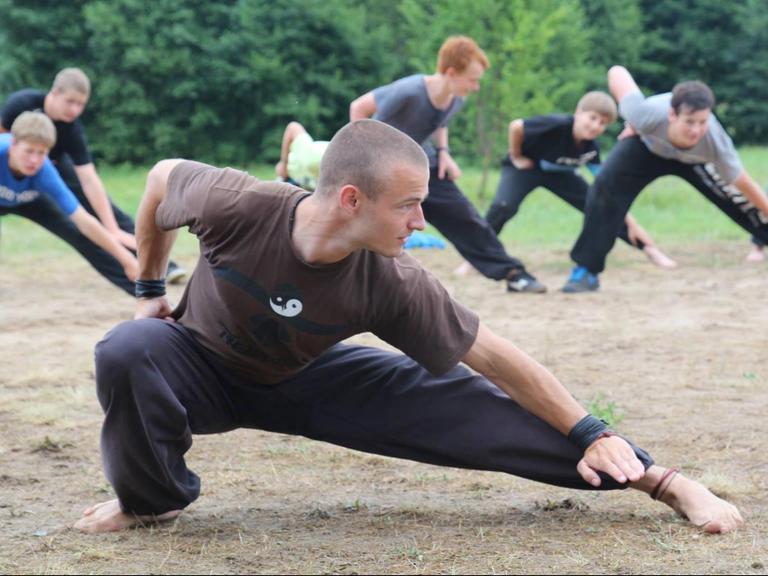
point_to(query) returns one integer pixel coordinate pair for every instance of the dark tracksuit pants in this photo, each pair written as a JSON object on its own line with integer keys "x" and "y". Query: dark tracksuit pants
{"x": 629, "y": 168}
{"x": 515, "y": 185}
{"x": 448, "y": 210}
{"x": 46, "y": 213}
{"x": 158, "y": 386}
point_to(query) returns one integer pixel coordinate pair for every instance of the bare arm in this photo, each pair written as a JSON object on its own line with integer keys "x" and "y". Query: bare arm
{"x": 621, "y": 83}
{"x": 516, "y": 134}
{"x": 752, "y": 191}
{"x": 289, "y": 135}
{"x": 362, "y": 107}
{"x": 154, "y": 245}
{"x": 96, "y": 233}
{"x": 97, "y": 196}
{"x": 533, "y": 387}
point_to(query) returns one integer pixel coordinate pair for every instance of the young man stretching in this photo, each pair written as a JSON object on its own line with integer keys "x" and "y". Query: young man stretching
{"x": 546, "y": 151}
{"x": 283, "y": 277}
{"x": 64, "y": 103}
{"x": 669, "y": 134}
{"x": 30, "y": 187}
{"x": 421, "y": 106}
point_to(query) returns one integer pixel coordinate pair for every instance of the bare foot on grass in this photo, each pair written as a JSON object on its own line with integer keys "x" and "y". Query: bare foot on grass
{"x": 108, "y": 517}
{"x": 694, "y": 501}
{"x": 658, "y": 257}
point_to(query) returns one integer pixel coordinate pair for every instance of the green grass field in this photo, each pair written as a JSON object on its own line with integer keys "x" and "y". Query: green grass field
{"x": 671, "y": 210}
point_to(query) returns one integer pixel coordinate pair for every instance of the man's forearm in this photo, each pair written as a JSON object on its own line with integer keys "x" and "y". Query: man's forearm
{"x": 153, "y": 244}
{"x": 752, "y": 192}
{"x": 92, "y": 229}
{"x": 94, "y": 191}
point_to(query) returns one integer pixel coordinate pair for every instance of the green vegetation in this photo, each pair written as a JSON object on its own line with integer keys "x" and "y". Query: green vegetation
{"x": 218, "y": 81}
{"x": 606, "y": 410}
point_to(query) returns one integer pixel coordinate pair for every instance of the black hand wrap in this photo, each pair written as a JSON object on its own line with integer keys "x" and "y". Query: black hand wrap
{"x": 150, "y": 288}
{"x": 587, "y": 430}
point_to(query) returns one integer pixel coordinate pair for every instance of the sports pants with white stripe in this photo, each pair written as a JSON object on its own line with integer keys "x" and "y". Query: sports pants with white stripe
{"x": 629, "y": 168}
{"x": 158, "y": 387}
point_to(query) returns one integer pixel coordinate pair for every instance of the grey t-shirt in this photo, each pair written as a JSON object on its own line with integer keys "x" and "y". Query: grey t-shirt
{"x": 405, "y": 105}
{"x": 649, "y": 118}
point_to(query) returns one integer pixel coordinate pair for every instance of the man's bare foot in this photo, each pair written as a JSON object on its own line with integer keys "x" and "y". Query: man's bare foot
{"x": 693, "y": 501}
{"x": 108, "y": 517}
{"x": 464, "y": 269}
{"x": 756, "y": 254}
{"x": 658, "y": 257}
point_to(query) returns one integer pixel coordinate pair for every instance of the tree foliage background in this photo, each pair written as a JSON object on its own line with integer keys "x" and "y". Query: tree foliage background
{"x": 218, "y": 80}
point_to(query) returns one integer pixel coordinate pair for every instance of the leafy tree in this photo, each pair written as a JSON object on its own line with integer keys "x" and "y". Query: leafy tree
{"x": 538, "y": 55}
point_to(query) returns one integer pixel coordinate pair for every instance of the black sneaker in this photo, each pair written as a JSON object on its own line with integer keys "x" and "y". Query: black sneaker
{"x": 581, "y": 280}
{"x": 175, "y": 274}
{"x": 521, "y": 281}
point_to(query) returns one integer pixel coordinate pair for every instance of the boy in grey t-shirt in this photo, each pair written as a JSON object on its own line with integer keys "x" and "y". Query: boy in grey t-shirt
{"x": 420, "y": 106}
{"x": 669, "y": 134}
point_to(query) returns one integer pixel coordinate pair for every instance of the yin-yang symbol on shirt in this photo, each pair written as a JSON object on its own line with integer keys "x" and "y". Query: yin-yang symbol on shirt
{"x": 288, "y": 307}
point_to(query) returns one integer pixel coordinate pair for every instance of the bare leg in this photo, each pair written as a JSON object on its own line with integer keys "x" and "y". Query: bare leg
{"x": 655, "y": 255}
{"x": 693, "y": 501}
{"x": 756, "y": 254}
{"x": 108, "y": 517}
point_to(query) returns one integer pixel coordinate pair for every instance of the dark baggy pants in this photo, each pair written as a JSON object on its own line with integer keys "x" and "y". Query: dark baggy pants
{"x": 158, "y": 386}
{"x": 46, "y": 213}
{"x": 630, "y": 167}
{"x": 515, "y": 185}
{"x": 448, "y": 210}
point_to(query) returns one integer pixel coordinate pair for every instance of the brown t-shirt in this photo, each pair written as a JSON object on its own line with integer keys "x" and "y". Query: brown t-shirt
{"x": 253, "y": 301}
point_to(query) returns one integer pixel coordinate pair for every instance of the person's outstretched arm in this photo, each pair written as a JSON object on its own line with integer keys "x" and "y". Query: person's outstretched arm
{"x": 362, "y": 107}
{"x": 516, "y": 134}
{"x": 752, "y": 191}
{"x": 533, "y": 387}
{"x": 621, "y": 83}
{"x": 446, "y": 165}
{"x": 153, "y": 244}
{"x": 96, "y": 193}
{"x": 292, "y": 130}
{"x": 96, "y": 233}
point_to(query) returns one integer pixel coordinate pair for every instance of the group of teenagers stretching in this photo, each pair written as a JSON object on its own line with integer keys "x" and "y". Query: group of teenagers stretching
{"x": 286, "y": 275}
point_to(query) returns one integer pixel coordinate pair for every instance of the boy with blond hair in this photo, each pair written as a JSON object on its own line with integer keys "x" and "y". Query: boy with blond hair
{"x": 421, "y": 106}
{"x": 64, "y": 103}
{"x": 546, "y": 151}
{"x": 31, "y": 187}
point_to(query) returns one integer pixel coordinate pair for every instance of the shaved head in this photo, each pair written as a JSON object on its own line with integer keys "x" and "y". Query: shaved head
{"x": 366, "y": 154}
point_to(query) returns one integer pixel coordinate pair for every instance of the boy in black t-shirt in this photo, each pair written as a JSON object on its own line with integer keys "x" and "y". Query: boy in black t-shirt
{"x": 547, "y": 150}
{"x": 64, "y": 103}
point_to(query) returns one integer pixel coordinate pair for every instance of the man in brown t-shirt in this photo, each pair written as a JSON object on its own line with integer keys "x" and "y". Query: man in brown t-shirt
{"x": 283, "y": 277}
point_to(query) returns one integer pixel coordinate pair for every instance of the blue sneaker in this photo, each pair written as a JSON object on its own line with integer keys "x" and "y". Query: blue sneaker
{"x": 581, "y": 280}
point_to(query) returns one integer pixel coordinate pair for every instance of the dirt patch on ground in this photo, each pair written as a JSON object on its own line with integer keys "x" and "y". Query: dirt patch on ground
{"x": 683, "y": 355}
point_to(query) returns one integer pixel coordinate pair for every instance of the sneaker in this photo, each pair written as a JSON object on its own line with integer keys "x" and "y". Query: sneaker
{"x": 521, "y": 281}
{"x": 581, "y": 280}
{"x": 175, "y": 273}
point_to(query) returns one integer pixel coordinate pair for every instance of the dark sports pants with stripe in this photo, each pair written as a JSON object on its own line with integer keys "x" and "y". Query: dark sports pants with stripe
{"x": 46, "y": 213}
{"x": 448, "y": 210}
{"x": 629, "y": 168}
{"x": 158, "y": 387}
{"x": 515, "y": 185}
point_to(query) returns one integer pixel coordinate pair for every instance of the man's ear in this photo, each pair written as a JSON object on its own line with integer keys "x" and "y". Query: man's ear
{"x": 350, "y": 197}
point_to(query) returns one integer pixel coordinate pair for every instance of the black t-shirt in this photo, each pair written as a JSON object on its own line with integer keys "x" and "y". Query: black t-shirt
{"x": 548, "y": 141}
{"x": 70, "y": 136}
